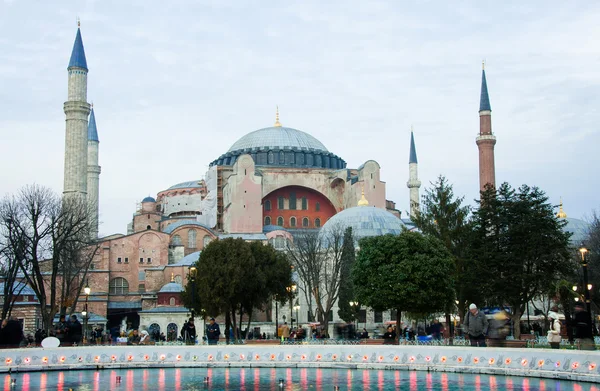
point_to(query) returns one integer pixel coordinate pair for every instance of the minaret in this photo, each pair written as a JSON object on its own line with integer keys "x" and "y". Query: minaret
{"x": 413, "y": 177}
{"x": 77, "y": 111}
{"x": 486, "y": 139}
{"x": 93, "y": 172}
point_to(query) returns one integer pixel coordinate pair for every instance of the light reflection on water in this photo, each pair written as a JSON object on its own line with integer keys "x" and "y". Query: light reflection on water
{"x": 257, "y": 379}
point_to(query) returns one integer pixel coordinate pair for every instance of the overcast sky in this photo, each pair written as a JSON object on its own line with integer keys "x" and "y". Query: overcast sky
{"x": 175, "y": 84}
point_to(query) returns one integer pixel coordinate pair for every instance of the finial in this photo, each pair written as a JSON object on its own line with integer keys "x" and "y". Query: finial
{"x": 561, "y": 213}
{"x": 92, "y": 105}
{"x": 172, "y": 277}
{"x": 78, "y": 22}
{"x": 363, "y": 201}
{"x": 411, "y": 128}
{"x": 483, "y": 65}
{"x": 277, "y": 123}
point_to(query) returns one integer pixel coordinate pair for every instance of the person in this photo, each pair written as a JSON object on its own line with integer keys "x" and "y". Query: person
{"x": 145, "y": 338}
{"x": 583, "y": 329}
{"x": 499, "y": 328}
{"x": 74, "y": 331}
{"x": 364, "y": 334}
{"x": 476, "y": 326}
{"x": 98, "y": 335}
{"x": 60, "y": 329}
{"x": 285, "y": 331}
{"x": 11, "y": 333}
{"x": 188, "y": 332}
{"x": 554, "y": 330}
{"x": 39, "y": 336}
{"x": 389, "y": 337}
{"x": 436, "y": 329}
{"x": 213, "y": 332}
{"x": 134, "y": 339}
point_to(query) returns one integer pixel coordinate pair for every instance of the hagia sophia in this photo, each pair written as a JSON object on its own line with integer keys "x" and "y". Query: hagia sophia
{"x": 271, "y": 183}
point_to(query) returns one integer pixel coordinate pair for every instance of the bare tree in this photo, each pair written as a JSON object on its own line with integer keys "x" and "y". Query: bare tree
{"x": 53, "y": 236}
{"x": 317, "y": 257}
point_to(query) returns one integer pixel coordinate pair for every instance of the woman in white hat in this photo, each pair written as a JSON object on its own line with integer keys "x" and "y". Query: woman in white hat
{"x": 554, "y": 331}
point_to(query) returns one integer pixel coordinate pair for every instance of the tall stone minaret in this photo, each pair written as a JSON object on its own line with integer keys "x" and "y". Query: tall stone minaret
{"x": 77, "y": 111}
{"x": 93, "y": 172}
{"x": 413, "y": 177}
{"x": 486, "y": 139}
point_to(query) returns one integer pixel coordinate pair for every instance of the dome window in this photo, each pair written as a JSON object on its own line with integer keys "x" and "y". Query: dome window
{"x": 305, "y": 222}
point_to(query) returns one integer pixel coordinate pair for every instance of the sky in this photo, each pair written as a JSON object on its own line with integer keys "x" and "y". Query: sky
{"x": 175, "y": 84}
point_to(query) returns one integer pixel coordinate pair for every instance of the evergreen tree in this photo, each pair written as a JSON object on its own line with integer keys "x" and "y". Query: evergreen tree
{"x": 519, "y": 246}
{"x": 347, "y": 312}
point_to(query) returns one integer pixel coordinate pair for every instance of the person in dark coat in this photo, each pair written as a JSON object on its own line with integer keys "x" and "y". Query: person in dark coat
{"x": 74, "y": 331}
{"x": 583, "y": 328}
{"x": 188, "y": 332}
{"x": 213, "y": 332}
{"x": 11, "y": 334}
{"x": 389, "y": 337}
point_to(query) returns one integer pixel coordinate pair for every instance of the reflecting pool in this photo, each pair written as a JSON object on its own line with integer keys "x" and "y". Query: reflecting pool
{"x": 276, "y": 379}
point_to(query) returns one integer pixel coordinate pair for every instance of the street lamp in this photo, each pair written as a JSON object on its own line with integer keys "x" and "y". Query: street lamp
{"x": 291, "y": 289}
{"x": 193, "y": 272}
{"x": 583, "y": 252}
{"x": 84, "y": 313}
{"x": 297, "y": 307}
{"x": 354, "y": 305}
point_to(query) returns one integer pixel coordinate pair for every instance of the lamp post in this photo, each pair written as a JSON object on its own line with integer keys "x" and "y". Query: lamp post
{"x": 193, "y": 272}
{"x": 84, "y": 313}
{"x": 297, "y": 307}
{"x": 276, "y": 317}
{"x": 583, "y": 252}
{"x": 354, "y": 305}
{"x": 291, "y": 290}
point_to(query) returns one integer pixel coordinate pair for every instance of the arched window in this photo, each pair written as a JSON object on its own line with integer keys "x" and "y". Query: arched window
{"x": 207, "y": 239}
{"x": 292, "y": 222}
{"x": 280, "y": 205}
{"x": 281, "y": 157}
{"x": 268, "y": 220}
{"x": 192, "y": 238}
{"x": 172, "y": 301}
{"x": 171, "y": 332}
{"x": 271, "y": 158}
{"x": 304, "y": 203}
{"x": 280, "y": 221}
{"x": 148, "y": 227}
{"x": 118, "y": 286}
{"x": 317, "y": 207}
{"x": 154, "y": 331}
{"x": 317, "y": 222}
{"x": 267, "y": 205}
{"x": 305, "y": 222}
{"x": 176, "y": 240}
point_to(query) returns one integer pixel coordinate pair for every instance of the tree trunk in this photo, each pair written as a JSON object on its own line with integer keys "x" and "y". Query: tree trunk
{"x": 248, "y": 325}
{"x": 449, "y": 328}
{"x": 227, "y": 325}
{"x": 516, "y": 318}
{"x": 398, "y": 325}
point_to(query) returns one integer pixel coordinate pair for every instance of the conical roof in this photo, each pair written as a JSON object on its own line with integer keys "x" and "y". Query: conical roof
{"x": 78, "y": 54}
{"x": 92, "y": 130}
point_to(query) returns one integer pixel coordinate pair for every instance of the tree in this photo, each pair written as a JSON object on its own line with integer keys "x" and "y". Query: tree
{"x": 48, "y": 235}
{"x": 346, "y": 311}
{"x": 409, "y": 272}
{"x": 443, "y": 216}
{"x": 519, "y": 246}
{"x": 317, "y": 257}
{"x": 235, "y": 277}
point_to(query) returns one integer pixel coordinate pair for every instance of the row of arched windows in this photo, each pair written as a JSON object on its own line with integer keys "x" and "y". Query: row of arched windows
{"x": 176, "y": 239}
{"x": 294, "y": 222}
{"x": 292, "y": 203}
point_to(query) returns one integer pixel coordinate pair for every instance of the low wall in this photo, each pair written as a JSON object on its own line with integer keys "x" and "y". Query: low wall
{"x": 557, "y": 364}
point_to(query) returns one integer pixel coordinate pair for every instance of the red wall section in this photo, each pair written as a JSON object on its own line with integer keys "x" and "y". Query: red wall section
{"x": 326, "y": 209}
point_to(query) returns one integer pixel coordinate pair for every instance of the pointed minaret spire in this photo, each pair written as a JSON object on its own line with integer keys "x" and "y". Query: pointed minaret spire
{"x": 413, "y": 177}
{"x": 277, "y": 123}
{"x": 486, "y": 139}
{"x": 484, "y": 100}
{"x": 93, "y": 172}
{"x": 561, "y": 213}
{"x": 78, "y": 54}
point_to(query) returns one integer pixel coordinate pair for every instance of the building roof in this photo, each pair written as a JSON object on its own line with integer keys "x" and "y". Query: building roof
{"x": 124, "y": 305}
{"x": 93, "y": 318}
{"x": 78, "y": 54}
{"x": 172, "y": 227}
{"x": 149, "y": 199}
{"x": 244, "y": 236}
{"x": 92, "y": 130}
{"x": 277, "y": 137}
{"x": 188, "y": 260}
{"x": 19, "y": 288}
{"x": 413, "y": 150}
{"x": 365, "y": 221}
{"x": 186, "y": 185}
{"x": 271, "y": 228}
{"x": 171, "y": 287}
{"x": 165, "y": 310}
{"x": 484, "y": 101}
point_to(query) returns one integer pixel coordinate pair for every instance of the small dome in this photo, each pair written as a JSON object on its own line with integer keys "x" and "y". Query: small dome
{"x": 579, "y": 230}
{"x": 148, "y": 199}
{"x": 365, "y": 221}
{"x": 278, "y": 137}
{"x": 171, "y": 287}
{"x": 186, "y": 185}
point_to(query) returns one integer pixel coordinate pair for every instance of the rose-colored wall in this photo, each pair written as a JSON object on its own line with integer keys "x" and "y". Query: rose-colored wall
{"x": 326, "y": 210}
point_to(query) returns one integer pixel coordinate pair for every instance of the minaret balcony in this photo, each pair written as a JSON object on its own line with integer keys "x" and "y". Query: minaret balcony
{"x": 486, "y": 139}
{"x": 413, "y": 183}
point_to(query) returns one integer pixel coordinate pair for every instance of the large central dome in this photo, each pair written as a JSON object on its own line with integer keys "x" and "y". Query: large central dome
{"x": 278, "y": 137}
{"x": 283, "y": 147}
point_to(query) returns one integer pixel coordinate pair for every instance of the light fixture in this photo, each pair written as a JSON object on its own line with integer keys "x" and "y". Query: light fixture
{"x": 577, "y": 299}
{"x": 589, "y": 286}
{"x": 87, "y": 290}
{"x": 574, "y": 288}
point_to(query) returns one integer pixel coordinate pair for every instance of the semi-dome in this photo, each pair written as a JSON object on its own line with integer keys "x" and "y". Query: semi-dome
{"x": 579, "y": 229}
{"x": 278, "y": 137}
{"x": 171, "y": 287}
{"x": 365, "y": 221}
{"x": 149, "y": 199}
{"x": 186, "y": 185}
